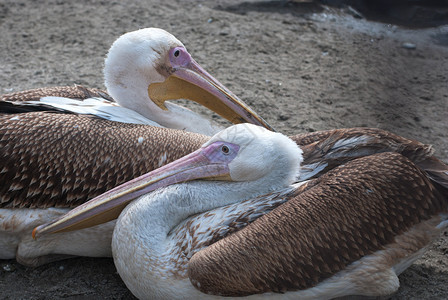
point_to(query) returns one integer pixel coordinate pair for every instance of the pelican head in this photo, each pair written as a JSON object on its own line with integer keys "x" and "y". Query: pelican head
{"x": 147, "y": 67}
{"x": 241, "y": 153}
{"x": 261, "y": 154}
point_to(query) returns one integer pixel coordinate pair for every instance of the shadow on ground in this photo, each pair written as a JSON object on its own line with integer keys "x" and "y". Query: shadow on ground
{"x": 406, "y": 13}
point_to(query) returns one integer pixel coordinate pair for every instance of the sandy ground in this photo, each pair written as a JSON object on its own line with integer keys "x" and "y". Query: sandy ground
{"x": 303, "y": 67}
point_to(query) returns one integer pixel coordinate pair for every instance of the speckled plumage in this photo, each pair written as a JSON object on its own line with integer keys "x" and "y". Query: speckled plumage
{"x": 203, "y": 230}
{"x": 350, "y": 231}
{"x": 346, "y": 214}
{"x": 324, "y": 150}
{"x": 62, "y": 160}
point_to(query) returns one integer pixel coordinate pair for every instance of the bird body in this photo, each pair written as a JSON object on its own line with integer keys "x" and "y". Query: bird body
{"x": 335, "y": 251}
{"x": 67, "y": 160}
{"x": 358, "y": 227}
{"x": 351, "y": 231}
{"x": 38, "y": 189}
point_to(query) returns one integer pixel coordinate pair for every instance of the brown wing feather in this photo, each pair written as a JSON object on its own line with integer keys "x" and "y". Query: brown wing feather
{"x": 324, "y": 149}
{"x": 322, "y": 144}
{"x": 62, "y": 160}
{"x": 75, "y": 92}
{"x": 436, "y": 170}
{"x": 349, "y": 212}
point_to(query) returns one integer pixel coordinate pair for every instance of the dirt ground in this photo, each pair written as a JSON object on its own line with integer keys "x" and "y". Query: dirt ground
{"x": 302, "y": 66}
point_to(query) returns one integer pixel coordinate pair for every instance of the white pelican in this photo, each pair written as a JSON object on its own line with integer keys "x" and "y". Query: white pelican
{"x": 50, "y": 196}
{"x": 142, "y": 70}
{"x": 349, "y": 232}
{"x": 54, "y": 157}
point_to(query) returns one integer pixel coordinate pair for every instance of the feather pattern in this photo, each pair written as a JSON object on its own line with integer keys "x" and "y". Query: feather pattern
{"x": 62, "y": 162}
{"x": 346, "y": 214}
{"x": 203, "y": 230}
{"x": 324, "y": 150}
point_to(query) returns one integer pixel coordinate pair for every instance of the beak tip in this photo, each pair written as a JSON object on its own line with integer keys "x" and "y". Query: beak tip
{"x": 39, "y": 230}
{"x": 34, "y": 234}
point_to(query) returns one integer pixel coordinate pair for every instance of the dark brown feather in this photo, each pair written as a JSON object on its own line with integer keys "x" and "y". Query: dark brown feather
{"x": 323, "y": 149}
{"x": 321, "y": 145}
{"x": 347, "y": 213}
{"x": 74, "y": 92}
{"x": 62, "y": 160}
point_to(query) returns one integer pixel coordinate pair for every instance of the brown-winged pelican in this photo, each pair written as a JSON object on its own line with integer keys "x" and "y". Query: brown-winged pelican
{"x": 349, "y": 232}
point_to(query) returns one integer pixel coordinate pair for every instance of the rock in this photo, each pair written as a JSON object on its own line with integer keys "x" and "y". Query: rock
{"x": 410, "y": 46}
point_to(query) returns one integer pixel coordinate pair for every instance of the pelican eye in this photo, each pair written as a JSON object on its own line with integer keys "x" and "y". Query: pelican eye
{"x": 176, "y": 53}
{"x": 225, "y": 149}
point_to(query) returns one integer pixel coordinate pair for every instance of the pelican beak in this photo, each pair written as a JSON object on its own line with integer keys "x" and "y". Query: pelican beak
{"x": 192, "y": 82}
{"x": 204, "y": 163}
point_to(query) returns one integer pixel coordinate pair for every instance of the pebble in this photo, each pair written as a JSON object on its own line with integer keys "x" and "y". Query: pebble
{"x": 8, "y": 268}
{"x": 408, "y": 46}
{"x": 283, "y": 117}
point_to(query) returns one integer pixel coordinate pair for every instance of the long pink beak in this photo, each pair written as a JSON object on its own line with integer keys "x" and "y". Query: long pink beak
{"x": 206, "y": 163}
{"x": 189, "y": 80}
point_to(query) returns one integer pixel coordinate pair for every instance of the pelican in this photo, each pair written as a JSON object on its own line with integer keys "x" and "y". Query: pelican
{"x": 349, "y": 232}
{"x": 143, "y": 70}
{"x": 54, "y": 155}
{"x": 47, "y": 199}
